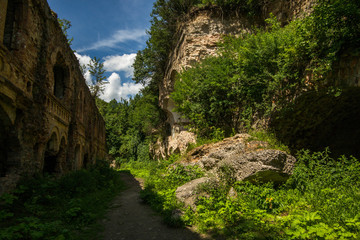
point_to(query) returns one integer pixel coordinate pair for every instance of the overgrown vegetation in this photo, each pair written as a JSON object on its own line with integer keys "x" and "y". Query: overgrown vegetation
{"x": 96, "y": 70}
{"x": 258, "y": 73}
{"x": 130, "y": 126}
{"x": 162, "y": 179}
{"x": 321, "y": 200}
{"x": 65, "y": 25}
{"x": 64, "y": 208}
{"x": 253, "y": 76}
{"x": 150, "y": 63}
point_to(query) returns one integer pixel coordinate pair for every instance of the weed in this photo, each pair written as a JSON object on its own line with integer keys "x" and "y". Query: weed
{"x": 320, "y": 201}
{"x": 50, "y": 208}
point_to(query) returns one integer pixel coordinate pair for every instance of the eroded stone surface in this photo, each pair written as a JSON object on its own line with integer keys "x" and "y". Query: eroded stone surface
{"x": 238, "y": 158}
{"x": 190, "y": 192}
{"x": 241, "y": 158}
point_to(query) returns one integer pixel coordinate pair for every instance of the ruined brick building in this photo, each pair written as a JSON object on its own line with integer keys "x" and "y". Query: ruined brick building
{"x": 48, "y": 119}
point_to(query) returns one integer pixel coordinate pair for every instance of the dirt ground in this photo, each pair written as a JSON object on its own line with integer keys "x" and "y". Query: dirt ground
{"x": 130, "y": 219}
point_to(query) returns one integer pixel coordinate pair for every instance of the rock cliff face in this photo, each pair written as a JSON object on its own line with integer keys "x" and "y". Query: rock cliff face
{"x": 49, "y": 120}
{"x": 198, "y": 37}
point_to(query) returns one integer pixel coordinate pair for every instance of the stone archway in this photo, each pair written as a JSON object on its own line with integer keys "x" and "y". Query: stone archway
{"x": 9, "y": 144}
{"x": 61, "y": 77}
{"x": 16, "y": 12}
{"x": 9, "y": 24}
{"x": 61, "y": 156}
{"x": 51, "y": 155}
{"x": 86, "y": 161}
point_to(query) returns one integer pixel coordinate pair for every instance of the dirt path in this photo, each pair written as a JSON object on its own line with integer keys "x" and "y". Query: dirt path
{"x": 130, "y": 219}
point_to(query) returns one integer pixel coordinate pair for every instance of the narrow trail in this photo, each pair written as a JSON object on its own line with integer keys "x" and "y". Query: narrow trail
{"x": 130, "y": 219}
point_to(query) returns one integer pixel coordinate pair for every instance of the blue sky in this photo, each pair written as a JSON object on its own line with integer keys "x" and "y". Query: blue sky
{"x": 112, "y": 30}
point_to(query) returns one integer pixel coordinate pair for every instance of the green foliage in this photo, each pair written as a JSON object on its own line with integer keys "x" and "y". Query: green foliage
{"x": 49, "y": 208}
{"x": 249, "y": 7}
{"x": 332, "y": 28}
{"x": 150, "y": 63}
{"x": 162, "y": 179}
{"x": 130, "y": 126}
{"x": 203, "y": 95}
{"x": 270, "y": 138}
{"x": 96, "y": 69}
{"x": 257, "y": 73}
{"x": 65, "y": 25}
{"x": 319, "y": 201}
{"x": 251, "y": 73}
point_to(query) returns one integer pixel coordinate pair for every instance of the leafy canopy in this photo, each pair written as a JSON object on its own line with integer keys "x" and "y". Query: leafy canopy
{"x": 96, "y": 69}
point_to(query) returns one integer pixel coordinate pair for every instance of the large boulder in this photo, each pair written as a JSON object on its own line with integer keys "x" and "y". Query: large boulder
{"x": 191, "y": 191}
{"x": 241, "y": 158}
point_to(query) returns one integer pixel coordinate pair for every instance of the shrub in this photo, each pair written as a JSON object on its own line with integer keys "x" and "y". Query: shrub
{"x": 50, "y": 208}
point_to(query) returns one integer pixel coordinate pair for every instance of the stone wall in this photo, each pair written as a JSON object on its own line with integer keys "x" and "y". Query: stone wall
{"x": 198, "y": 36}
{"x": 49, "y": 120}
{"x": 346, "y": 71}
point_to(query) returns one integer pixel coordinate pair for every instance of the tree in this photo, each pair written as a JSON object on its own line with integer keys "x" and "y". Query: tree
{"x": 65, "y": 25}
{"x": 96, "y": 69}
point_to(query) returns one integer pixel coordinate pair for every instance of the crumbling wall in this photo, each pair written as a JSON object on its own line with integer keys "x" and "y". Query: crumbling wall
{"x": 50, "y": 122}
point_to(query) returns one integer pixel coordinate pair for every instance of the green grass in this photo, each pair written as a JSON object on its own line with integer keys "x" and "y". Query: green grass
{"x": 161, "y": 181}
{"x": 65, "y": 208}
{"x": 321, "y": 200}
{"x": 265, "y": 136}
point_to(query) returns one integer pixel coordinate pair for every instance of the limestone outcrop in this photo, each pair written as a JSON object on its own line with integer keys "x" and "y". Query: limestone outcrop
{"x": 198, "y": 36}
{"x": 239, "y": 158}
{"x": 190, "y": 192}
{"x": 49, "y": 120}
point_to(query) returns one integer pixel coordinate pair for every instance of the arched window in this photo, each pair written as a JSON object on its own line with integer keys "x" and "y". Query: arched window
{"x": 86, "y": 161}
{"x": 16, "y": 14}
{"x": 61, "y": 76}
{"x": 9, "y": 144}
{"x": 9, "y": 24}
{"x": 50, "y": 160}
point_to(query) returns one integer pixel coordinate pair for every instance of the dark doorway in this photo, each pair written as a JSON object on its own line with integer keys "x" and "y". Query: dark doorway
{"x": 3, "y": 153}
{"x": 59, "y": 77}
{"x": 50, "y": 163}
{"x": 86, "y": 160}
{"x": 9, "y": 144}
{"x": 51, "y": 152}
{"x": 77, "y": 157}
{"x": 9, "y": 24}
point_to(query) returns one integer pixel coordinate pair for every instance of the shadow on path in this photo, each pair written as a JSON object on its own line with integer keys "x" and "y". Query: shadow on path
{"x": 130, "y": 219}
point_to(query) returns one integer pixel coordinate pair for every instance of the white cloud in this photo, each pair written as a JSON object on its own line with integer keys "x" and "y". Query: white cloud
{"x": 119, "y": 36}
{"x": 83, "y": 59}
{"x": 120, "y": 63}
{"x": 117, "y": 90}
{"x": 87, "y": 77}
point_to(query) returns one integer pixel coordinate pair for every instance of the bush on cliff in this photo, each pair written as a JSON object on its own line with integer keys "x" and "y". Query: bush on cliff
{"x": 260, "y": 72}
